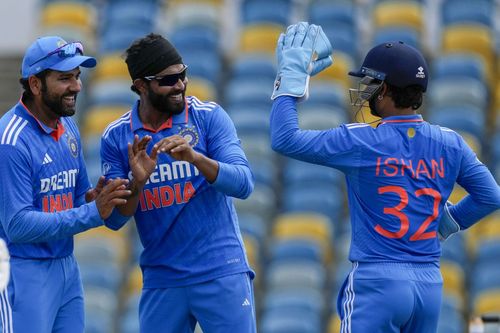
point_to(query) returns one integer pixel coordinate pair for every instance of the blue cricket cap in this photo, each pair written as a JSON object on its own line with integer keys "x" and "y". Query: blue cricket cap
{"x": 54, "y": 53}
{"x": 396, "y": 63}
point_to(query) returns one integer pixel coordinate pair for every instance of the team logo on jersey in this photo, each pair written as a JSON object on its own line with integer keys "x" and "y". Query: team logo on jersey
{"x": 73, "y": 146}
{"x": 105, "y": 168}
{"x": 190, "y": 134}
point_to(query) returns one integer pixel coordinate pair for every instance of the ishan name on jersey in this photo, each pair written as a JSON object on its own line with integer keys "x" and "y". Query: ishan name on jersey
{"x": 392, "y": 167}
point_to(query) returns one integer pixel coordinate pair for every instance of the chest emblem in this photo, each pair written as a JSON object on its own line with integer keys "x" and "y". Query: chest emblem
{"x": 190, "y": 134}
{"x": 73, "y": 146}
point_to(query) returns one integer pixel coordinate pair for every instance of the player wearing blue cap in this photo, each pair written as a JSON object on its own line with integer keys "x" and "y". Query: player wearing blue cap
{"x": 185, "y": 162}
{"x": 45, "y": 197}
{"x": 399, "y": 176}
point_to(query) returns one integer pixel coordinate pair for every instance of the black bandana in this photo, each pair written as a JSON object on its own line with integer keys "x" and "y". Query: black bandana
{"x": 152, "y": 59}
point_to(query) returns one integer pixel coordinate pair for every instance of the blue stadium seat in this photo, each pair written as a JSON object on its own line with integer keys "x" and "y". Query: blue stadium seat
{"x": 454, "y": 250}
{"x": 484, "y": 276}
{"x": 140, "y": 15}
{"x": 304, "y": 300}
{"x": 341, "y": 36}
{"x": 259, "y": 11}
{"x": 340, "y": 274}
{"x": 338, "y": 20}
{"x": 193, "y": 12}
{"x": 327, "y": 200}
{"x": 449, "y": 90}
{"x": 488, "y": 251}
{"x": 264, "y": 170}
{"x": 253, "y": 224}
{"x": 112, "y": 92}
{"x": 195, "y": 37}
{"x": 462, "y": 11}
{"x": 129, "y": 321}
{"x": 496, "y": 147}
{"x": 253, "y": 66}
{"x": 117, "y": 38}
{"x": 258, "y": 146}
{"x": 106, "y": 276}
{"x": 100, "y": 308}
{"x": 450, "y": 320}
{"x": 295, "y": 249}
{"x": 251, "y": 92}
{"x": 458, "y": 65}
{"x": 206, "y": 64}
{"x": 332, "y": 12}
{"x": 250, "y": 121}
{"x": 327, "y": 93}
{"x": 289, "y": 322}
{"x": 291, "y": 274}
{"x": 463, "y": 118}
{"x": 318, "y": 117}
{"x": 262, "y": 202}
{"x": 307, "y": 174}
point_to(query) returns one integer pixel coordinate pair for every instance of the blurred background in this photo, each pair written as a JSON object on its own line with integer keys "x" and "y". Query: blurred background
{"x": 295, "y": 225}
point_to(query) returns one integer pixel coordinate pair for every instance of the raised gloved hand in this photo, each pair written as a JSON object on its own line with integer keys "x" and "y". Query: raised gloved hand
{"x": 447, "y": 224}
{"x": 303, "y": 51}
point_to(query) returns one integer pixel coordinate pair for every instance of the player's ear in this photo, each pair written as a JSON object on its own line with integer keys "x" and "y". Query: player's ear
{"x": 35, "y": 85}
{"x": 383, "y": 90}
{"x": 140, "y": 85}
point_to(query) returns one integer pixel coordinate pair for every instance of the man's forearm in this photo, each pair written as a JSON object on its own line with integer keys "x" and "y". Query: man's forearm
{"x": 133, "y": 200}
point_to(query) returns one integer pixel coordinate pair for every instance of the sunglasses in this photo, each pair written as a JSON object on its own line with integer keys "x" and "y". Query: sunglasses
{"x": 170, "y": 79}
{"x": 65, "y": 51}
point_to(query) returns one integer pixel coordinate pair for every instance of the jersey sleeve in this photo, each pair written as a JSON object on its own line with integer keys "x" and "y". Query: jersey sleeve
{"x": 334, "y": 147}
{"x": 483, "y": 191}
{"x": 112, "y": 163}
{"x": 21, "y": 220}
{"x": 113, "y": 166}
{"x": 235, "y": 177}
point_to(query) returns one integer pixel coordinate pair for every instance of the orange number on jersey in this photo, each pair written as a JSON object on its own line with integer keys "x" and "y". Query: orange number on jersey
{"x": 421, "y": 233}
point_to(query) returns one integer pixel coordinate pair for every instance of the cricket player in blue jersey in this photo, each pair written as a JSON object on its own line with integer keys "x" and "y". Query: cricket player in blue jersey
{"x": 399, "y": 176}
{"x": 46, "y": 197}
{"x": 184, "y": 162}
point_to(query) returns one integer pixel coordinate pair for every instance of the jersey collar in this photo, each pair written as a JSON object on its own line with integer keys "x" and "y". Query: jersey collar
{"x": 55, "y": 133}
{"x": 414, "y": 118}
{"x": 136, "y": 123}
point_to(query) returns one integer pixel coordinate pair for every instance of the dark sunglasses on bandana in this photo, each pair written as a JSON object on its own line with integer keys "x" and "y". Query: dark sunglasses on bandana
{"x": 65, "y": 51}
{"x": 170, "y": 79}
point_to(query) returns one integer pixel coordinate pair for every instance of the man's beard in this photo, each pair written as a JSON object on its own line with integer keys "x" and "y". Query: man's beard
{"x": 56, "y": 104}
{"x": 163, "y": 104}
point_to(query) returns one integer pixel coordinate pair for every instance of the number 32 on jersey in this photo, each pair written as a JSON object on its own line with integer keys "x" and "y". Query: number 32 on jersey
{"x": 421, "y": 233}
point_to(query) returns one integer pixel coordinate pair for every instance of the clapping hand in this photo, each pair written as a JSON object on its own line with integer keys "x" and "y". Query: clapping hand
{"x": 141, "y": 164}
{"x": 177, "y": 147}
{"x": 114, "y": 193}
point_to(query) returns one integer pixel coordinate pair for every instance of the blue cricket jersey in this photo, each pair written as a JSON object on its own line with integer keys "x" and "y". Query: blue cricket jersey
{"x": 399, "y": 176}
{"x": 188, "y": 227}
{"x": 44, "y": 180}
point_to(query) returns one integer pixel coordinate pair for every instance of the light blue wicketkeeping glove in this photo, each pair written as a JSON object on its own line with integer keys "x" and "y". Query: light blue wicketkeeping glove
{"x": 447, "y": 224}
{"x": 303, "y": 51}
